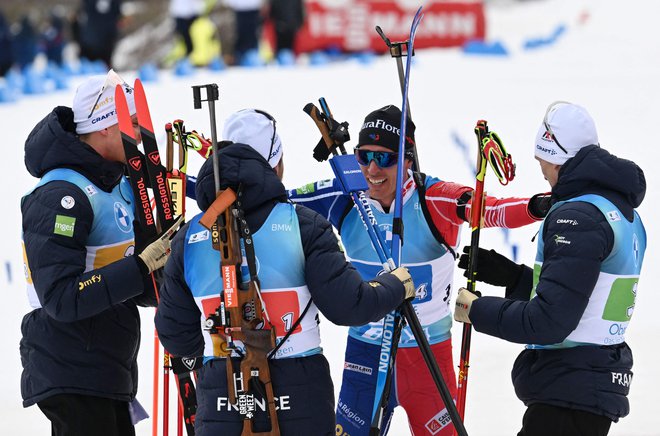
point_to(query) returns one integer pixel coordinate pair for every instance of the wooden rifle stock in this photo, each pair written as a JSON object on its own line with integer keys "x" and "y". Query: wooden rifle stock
{"x": 241, "y": 315}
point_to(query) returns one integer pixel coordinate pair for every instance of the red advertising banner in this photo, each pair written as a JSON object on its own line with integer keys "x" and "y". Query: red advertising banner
{"x": 352, "y": 27}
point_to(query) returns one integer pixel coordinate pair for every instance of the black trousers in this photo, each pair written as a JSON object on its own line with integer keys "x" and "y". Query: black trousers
{"x": 82, "y": 415}
{"x": 547, "y": 420}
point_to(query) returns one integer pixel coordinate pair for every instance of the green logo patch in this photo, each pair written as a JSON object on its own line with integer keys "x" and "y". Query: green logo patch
{"x": 307, "y": 189}
{"x": 64, "y": 225}
{"x": 621, "y": 302}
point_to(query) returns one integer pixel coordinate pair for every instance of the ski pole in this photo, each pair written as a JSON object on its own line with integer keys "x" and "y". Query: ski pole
{"x": 490, "y": 151}
{"x": 397, "y": 50}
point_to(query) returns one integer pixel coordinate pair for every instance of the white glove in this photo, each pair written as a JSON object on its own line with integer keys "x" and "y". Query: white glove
{"x": 403, "y": 275}
{"x": 463, "y": 305}
{"x": 155, "y": 254}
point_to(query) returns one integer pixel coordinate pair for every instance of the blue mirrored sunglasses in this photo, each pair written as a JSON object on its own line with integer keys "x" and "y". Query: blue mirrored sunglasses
{"x": 383, "y": 159}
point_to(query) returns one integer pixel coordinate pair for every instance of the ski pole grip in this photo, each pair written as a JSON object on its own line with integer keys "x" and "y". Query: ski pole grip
{"x": 212, "y": 94}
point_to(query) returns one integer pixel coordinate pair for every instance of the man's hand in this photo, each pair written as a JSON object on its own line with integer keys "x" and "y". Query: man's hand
{"x": 403, "y": 275}
{"x": 464, "y": 302}
{"x": 493, "y": 268}
{"x": 539, "y": 205}
{"x": 154, "y": 255}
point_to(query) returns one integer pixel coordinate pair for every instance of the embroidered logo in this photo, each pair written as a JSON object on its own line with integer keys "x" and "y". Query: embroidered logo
{"x": 67, "y": 202}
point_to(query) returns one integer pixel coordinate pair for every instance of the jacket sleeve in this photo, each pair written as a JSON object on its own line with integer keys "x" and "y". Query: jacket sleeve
{"x": 336, "y": 287}
{"x": 56, "y": 259}
{"x": 442, "y": 200}
{"x": 178, "y": 317}
{"x": 577, "y": 238}
{"x": 324, "y": 197}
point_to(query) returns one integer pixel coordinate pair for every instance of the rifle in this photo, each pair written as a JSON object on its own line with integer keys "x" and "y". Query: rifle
{"x": 241, "y": 317}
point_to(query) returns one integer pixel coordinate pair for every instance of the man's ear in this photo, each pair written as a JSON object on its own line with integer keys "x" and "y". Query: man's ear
{"x": 279, "y": 168}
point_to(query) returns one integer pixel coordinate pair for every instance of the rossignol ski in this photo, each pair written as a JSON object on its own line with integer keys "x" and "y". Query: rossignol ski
{"x": 146, "y": 171}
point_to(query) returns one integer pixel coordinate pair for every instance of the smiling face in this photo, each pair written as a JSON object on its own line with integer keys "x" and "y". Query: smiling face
{"x": 382, "y": 181}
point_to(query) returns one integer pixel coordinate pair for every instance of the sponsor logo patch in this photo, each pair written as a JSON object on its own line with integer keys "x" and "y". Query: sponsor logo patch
{"x": 122, "y": 218}
{"x": 307, "y": 189}
{"x": 543, "y": 149}
{"x": 64, "y": 225}
{"x": 561, "y": 240}
{"x": 198, "y": 237}
{"x": 567, "y": 221}
{"x": 357, "y": 368}
{"x": 96, "y": 278}
{"x": 438, "y": 422}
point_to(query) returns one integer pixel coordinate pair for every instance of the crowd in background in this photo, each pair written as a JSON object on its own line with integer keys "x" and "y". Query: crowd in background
{"x": 201, "y": 30}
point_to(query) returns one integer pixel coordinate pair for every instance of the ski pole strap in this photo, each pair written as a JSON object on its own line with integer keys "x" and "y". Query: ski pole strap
{"x": 500, "y": 161}
{"x": 290, "y": 331}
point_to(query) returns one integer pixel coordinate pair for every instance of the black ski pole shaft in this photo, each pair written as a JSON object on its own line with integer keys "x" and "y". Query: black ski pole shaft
{"x": 397, "y": 51}
{"x": 212, "y": 95}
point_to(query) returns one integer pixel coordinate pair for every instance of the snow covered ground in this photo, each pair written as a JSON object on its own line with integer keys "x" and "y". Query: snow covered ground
{"x": 608, "y": 60}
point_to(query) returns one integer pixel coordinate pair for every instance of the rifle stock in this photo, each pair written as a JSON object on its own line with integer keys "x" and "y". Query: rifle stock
{"x": 241, "y": 317}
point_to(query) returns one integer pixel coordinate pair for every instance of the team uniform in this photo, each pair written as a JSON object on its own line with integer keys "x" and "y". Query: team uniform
{"x": 84, "y": 285}
{"x": 301, "y": 271}
{"x": 583, "y": 289}
{"x": 432, "y": 223}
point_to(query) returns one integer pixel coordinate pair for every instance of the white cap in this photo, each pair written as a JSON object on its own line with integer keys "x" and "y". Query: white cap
{"x": 94, "y": 103}
{"x": 257, "y": 129}
{"x": 566, "y": 126}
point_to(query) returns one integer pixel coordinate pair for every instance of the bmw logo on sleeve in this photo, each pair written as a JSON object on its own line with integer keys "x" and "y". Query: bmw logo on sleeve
{"x": 122, "y": 218}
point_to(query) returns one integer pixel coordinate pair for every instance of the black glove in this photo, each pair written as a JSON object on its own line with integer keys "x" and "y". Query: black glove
{"x": 539, "y": 205}
{"x": 492, "y": 267}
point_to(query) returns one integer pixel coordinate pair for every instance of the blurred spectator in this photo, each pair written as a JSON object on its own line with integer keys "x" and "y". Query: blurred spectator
{"x": 248, "y": 26}
{"x": 26, "y": 42}
{"x": 6, "y": 54}
{"x": 52, "y": 38}
{"x": 288, "y": 17}
{"x": 96, "y": 29}
{"x": 185, "y": 12}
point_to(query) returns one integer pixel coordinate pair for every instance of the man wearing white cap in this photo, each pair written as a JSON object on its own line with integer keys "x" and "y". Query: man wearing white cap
{"x": 573, "y": 308}
{"x": 85, "y": 273}
{"x": 301, "y": 272}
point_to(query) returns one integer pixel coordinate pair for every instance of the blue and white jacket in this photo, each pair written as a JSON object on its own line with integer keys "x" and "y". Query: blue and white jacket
{"x": 84, "y": 284}
{"x": 583, "y": 290}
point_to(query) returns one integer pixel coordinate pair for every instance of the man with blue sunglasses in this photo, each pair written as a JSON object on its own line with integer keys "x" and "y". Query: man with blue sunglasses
{"x": 433, "y": 212}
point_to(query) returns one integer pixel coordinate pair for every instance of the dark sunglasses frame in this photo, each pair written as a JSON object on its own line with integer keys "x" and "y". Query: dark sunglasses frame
{"x": 364, "y": 157}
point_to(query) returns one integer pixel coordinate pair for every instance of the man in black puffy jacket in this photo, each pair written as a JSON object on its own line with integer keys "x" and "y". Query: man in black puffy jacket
{"x": 301, "y": 270}
{"x": 85, "y": 274}
{"x": 573, "y": 308}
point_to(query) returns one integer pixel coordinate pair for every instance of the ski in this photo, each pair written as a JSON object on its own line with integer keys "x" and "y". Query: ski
{"x": 155, "y": 170}
{"x": 155, "y": 178}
